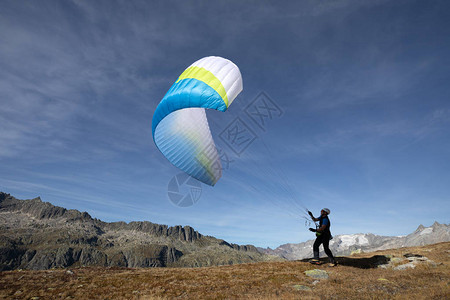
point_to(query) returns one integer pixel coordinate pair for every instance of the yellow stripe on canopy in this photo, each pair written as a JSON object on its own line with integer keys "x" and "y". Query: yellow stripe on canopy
{"x": 207, "y": 77}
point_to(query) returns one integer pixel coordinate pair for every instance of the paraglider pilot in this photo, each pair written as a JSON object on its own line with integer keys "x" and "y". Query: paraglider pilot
{"x": 323, "y": 236}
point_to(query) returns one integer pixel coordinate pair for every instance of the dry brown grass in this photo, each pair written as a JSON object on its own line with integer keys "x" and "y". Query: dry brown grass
{"x": 266, "y": 280}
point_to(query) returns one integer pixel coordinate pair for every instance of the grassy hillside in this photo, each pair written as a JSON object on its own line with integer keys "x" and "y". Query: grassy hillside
{"x": 361, "y": 276}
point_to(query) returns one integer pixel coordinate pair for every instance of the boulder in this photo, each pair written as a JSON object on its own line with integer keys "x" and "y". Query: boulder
{"x": 317, "y": 274}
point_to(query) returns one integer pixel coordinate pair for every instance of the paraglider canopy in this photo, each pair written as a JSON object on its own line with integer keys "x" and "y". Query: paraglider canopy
{"x": 180, "y": 128}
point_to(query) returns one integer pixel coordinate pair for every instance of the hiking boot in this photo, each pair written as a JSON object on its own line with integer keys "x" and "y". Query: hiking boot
{"x": 333, "y": 264}
{"x": 315, "y": 261}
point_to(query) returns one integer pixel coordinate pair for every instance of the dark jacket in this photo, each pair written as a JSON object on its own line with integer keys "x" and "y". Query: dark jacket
{"x": 325, "y": 221}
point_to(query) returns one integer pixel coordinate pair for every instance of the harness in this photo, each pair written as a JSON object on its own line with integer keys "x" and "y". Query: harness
{"x": 327, "y": 230}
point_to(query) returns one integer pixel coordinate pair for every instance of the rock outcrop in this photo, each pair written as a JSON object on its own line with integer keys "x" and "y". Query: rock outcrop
{"x": 38, "y": 235}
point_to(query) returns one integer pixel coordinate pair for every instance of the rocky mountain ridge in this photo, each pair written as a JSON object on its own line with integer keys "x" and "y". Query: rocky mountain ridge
{"x": 38, "y": 235}
{"x": 345, "y": 244}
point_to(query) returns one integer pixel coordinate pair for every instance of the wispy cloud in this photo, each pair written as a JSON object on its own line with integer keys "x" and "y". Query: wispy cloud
{"x": 70, "y": 77}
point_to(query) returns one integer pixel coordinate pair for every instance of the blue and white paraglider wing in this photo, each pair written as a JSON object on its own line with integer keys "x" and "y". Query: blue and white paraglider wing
{"x": 180, "y": 128}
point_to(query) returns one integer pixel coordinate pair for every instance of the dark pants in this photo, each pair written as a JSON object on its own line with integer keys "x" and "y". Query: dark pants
{"x": 325, "y": 240}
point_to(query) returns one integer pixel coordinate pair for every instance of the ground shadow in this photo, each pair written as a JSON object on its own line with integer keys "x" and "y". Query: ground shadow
{"x": 362, "y": 263}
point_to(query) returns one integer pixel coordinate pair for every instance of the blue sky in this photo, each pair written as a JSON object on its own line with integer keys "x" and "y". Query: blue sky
{"x": 362, "y": 87}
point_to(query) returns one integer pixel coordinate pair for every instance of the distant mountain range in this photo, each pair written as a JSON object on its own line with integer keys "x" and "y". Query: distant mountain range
{"x": 345, "y": 244}
{"x": 39, "y": 235}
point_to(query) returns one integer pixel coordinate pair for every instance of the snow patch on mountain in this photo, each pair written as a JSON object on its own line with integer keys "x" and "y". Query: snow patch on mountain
{"x": 345, "y": 244}
{"x": 347, "y": 240}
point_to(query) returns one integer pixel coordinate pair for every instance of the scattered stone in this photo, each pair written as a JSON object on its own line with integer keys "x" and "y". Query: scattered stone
{"x": 35, "y": 298}
{"x": 315, "y": 282}
{"x": 412, "y": 261}
{"x": 418, "y": 259}
{"x": 358, "y": 251}
{"x": 69, "y": 272}
{"x": 383, "y": 279}
{"x": 409, "y": 265}
{"x": 434, "y": 264}
{"x": 396, "y": 260}
{"x": 407, "y": 255}
{"x": 300, "y": 287}
{"x": 317, "y": 274}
